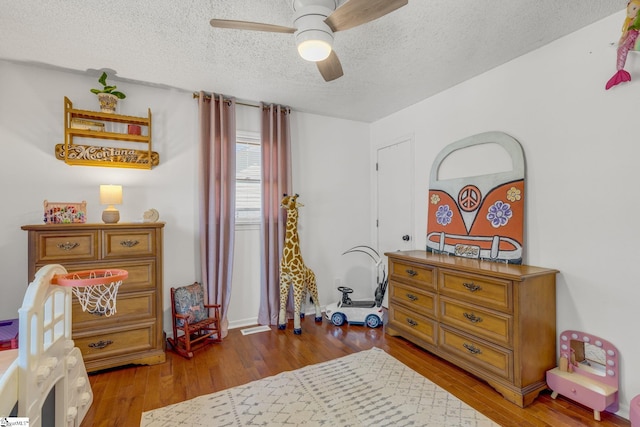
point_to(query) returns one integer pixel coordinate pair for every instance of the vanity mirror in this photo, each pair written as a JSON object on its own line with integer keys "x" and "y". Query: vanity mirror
{"x": 588, "y": 372}
{"x": 590, "y": 357}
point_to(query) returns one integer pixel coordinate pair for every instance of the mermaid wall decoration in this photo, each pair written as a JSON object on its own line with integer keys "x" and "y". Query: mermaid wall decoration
{"x": 628, "y": 41}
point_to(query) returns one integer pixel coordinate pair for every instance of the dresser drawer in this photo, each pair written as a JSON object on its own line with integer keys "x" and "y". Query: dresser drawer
{"x": 66, "y": 246}
{"x": 483, "y": 355}
{"x": 477, "y": 321}
{"x": 128, "y": 243}
{"x": 141, "y": 273}
{"x": 417, "y": 275}
{"x": 418, "y": 300}
{"x": 487, "y": 291}
{"x": 419, "y": 326}
{"x": 116, "y": 342}
{"x": 129, "y": 307}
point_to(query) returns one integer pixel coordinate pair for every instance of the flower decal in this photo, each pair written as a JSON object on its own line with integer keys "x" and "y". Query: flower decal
{"x": 435, "y": 199}
{"x": 444, "y": 215}
{"x": 499, "y": 214}
{"x": 513, "y": 194}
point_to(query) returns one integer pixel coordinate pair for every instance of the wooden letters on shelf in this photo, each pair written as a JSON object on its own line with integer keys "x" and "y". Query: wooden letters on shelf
{"x": 92, "y": 124}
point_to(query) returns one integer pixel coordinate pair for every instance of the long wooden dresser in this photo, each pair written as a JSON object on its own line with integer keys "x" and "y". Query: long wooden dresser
{"x": 133, "y": 335}
{"x": 495, "y": 320}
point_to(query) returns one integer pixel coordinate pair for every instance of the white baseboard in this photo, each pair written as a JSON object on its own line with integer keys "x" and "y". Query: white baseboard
{"x": 252, "y": 321}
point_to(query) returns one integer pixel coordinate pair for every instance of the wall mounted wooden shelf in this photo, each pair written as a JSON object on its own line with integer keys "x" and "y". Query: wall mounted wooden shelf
{"x": 92, "y": 124}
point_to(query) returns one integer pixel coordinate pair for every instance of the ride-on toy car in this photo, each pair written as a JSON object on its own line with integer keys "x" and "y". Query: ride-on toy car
{"x": 360, "y": 312}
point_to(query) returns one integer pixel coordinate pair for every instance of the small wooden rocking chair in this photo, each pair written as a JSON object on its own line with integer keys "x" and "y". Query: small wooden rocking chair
{"x": 193, "y": 327}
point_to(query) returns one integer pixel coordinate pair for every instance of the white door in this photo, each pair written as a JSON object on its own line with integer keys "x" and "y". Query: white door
{"x": 395, "y": 199}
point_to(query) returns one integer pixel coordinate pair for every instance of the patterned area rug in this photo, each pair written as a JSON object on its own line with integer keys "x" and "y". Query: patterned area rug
{"x": 369, "y": 388}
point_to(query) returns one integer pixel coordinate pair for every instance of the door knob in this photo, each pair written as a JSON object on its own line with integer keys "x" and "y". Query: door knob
{"x": 406, "y": 238}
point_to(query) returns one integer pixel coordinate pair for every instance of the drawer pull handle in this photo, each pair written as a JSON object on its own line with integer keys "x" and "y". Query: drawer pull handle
{"x": 472, "y": 287}
{"x": 472, "y": 349}
{"x": 412, "y": 297}
{"x": 411, "y": 272}
{"x": 100, "y": 344}
{"x": 129, "y": 243}
{"x": 68, "y": 246}
{"x": 412, "y": 322}
{"x": 473, "y": 318}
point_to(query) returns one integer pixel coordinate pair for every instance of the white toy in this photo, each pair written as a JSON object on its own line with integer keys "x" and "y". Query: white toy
{"x": 360, "y": 312}
{"x": 46, "y": 363}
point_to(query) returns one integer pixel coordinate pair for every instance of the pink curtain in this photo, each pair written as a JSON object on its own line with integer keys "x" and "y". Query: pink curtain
{"x": 276, "y": 180}
{"x": 217, "y": 179}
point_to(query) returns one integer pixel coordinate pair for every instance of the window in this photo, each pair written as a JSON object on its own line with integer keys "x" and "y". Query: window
{"x": 248, "y": 174}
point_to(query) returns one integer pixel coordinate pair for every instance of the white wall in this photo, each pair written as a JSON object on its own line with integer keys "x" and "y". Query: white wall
{"x": 330, "y": 173}
{"x": 31, "y": 123}
{"x": 581, "y": 147}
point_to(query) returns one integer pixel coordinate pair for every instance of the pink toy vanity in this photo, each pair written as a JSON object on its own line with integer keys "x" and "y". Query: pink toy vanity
{"x": 588, "y": 372}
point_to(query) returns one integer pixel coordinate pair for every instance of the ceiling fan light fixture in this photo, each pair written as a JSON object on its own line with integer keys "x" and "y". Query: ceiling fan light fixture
{"x": 315, "y": 48}
{"x": 314, "y": 38}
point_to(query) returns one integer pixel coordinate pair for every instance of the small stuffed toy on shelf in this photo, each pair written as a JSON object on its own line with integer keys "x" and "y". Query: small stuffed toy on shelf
{"x": 627, "y": 42}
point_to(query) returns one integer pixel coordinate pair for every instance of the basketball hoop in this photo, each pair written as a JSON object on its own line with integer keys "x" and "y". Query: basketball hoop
{"x": 96, "y": 290}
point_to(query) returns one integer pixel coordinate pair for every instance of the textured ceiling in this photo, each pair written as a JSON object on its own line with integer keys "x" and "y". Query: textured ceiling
{"x": 391, "y": 63}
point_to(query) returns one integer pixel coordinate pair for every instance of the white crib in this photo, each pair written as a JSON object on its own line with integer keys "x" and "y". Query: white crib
{"x": 46, "y": 361}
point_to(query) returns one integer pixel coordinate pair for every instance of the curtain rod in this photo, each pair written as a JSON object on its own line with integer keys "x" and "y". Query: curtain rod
{"x": 246, "y": 104}
{"x": 287, "y": 110}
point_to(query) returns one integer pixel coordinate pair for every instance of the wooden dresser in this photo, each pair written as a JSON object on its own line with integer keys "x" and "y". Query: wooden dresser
{"x": 134, "y": 334}
{"x": 496, "y": 321}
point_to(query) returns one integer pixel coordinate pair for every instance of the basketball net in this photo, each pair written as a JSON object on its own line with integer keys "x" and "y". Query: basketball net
{"x": 98, "y": 299}
{"x": 95, "y": 290}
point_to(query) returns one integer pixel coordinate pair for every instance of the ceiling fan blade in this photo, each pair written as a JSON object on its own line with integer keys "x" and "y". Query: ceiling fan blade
{"x": 330, "y": 68}
{"x": 358, "y": 12}
{"x": 253, "y": 26}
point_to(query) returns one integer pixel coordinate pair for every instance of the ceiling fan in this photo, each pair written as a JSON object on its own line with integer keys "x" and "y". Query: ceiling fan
{"x": 315, "y": 21}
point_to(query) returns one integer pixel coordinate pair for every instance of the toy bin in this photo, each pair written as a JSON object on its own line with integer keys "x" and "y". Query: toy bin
{"x": 8, "y": 334}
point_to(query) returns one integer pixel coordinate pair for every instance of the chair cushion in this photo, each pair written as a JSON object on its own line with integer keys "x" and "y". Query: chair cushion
{"x": 189, "y": 301}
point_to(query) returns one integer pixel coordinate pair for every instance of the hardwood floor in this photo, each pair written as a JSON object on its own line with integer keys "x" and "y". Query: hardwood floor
{"x": 121, "y": 395}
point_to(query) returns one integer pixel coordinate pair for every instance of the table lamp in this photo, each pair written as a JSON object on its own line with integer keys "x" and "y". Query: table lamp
{"x": 110, "y": 195}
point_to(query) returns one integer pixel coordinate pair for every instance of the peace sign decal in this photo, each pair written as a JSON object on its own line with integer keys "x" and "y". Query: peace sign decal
{"x": 469, "y": 198}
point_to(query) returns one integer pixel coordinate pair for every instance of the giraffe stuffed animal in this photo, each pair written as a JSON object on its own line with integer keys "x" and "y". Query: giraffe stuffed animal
{"x": 293, "y": 270}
